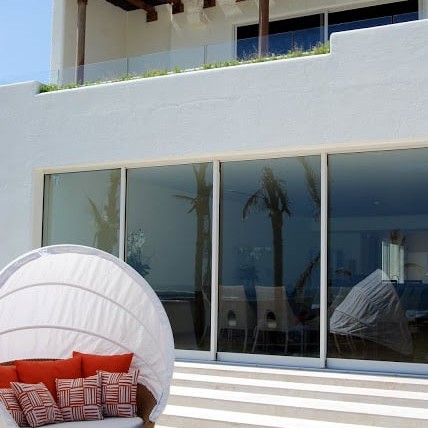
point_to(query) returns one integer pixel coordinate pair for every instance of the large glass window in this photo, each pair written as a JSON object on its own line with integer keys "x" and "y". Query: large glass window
{"x": 82, "y": 208}
{"x": 269, "y": 256}
{"x": 168, "y": 218}
{"x": 373, "y": 16}
{"x": 305, "y": 32}
{"x": 378, "y": 256}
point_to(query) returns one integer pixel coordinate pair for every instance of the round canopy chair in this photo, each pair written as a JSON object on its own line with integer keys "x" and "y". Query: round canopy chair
{"x": 62, "y": 298}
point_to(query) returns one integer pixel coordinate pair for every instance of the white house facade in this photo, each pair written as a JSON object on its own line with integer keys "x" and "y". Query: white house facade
{"x": 278, "y": 208}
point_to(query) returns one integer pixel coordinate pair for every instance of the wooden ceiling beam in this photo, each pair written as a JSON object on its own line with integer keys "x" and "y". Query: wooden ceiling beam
{"x": 209, "y": 3}
{"x": 152, "y": 15}
{"x": 177, "y": 6}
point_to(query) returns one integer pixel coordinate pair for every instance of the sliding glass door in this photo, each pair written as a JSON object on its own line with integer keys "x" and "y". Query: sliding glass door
{"x": 243, "y": 282}
{"x": 378, "y": 256}
{"x": 269, "y": 279}
{"x": 168, "y": 229}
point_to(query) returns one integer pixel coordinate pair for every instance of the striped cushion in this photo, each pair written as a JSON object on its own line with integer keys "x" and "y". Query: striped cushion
{"x": 119, "y": 393}
{"x": 80, "y": 399}
{"x": 37, "y": 403}
{"x": 10, "y": 402}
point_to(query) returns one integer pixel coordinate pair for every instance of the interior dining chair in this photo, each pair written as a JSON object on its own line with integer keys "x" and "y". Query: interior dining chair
{"x": 274, "y": 314}
{"x": 235, "y": 313}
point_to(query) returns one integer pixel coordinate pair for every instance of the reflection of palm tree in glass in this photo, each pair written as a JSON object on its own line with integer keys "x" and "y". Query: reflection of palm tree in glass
{"x": 314, "y": 192}
{"x": 272, "y": 198}
{"x": 200, "y": 204}
{"x": 107, "y": 223}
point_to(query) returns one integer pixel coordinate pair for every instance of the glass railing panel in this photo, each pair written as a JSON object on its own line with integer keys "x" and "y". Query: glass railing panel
{"x": 280, "y": 44}
{"x": 405, "y": 17}
{"x": 308, "y": 38}
{"x": 247, "y": 48}
{"x": 104, "y": 71}
{"x": 139, "y": 65}
{"x": 220, "y": 52}
{"x": 355, "y": 25}
{"x": 188, "y": 59}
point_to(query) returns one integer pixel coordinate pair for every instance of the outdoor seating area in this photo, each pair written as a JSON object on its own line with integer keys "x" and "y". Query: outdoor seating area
{"x": 86, "y": 335}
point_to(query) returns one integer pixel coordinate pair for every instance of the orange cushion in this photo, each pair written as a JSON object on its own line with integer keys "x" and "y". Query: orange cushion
{"x": 110, "y": 363}
{"x": 7, "y": 374}
{"x": 47, "y": 371}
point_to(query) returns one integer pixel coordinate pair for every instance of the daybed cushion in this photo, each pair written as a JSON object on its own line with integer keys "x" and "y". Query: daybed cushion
{"x": 80, "y": 399}
{"x": 119, "y": 393}
{"x": 9, "y": 402}
{"x": 7, "y": 374}
{"x": 105, "y": 423}
{"x": 37, "y": 403}
{"x": 47, "y": 371}
{"x": 119, "y": 363}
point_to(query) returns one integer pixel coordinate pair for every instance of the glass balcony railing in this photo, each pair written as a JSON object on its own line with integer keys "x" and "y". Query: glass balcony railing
{"x": 195, "y": 57}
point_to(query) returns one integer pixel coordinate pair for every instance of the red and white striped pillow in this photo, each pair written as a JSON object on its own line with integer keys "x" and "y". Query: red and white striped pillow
{"x": 37, "y": 403}
{"x": 119, "y": 393}
{"x": 10, "y": 402}
{"x": 80, "y": 399}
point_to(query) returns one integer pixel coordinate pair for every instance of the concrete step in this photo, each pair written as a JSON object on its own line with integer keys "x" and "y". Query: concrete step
{"x": 414, "y": 384}
{"x": 303, "y": 390}
{"x": 219, "y": 395}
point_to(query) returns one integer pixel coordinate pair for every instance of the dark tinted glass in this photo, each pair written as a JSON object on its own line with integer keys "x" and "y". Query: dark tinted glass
{"x": 269, "y": 257}
{"x": 378, "y": 255}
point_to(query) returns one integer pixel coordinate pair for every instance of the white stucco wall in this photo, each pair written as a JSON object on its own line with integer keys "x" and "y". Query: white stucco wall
{"x": 113, "y": 33}
{"x": 371, "y": 90}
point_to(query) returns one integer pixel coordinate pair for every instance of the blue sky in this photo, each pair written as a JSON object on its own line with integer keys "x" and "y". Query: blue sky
{"x": 25, "y": 40}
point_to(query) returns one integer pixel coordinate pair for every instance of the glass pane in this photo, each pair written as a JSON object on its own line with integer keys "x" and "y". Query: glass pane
{"x": 169, "y": 243}
{"x": 269, "y": 257}
{"x": 354, "y": 25}
{"x": 378, "y": 256}
{"x": 406, "y": 17}
{"x": 82, "y": 208}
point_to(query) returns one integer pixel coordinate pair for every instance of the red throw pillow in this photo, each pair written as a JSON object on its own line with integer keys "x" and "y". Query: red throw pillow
{"x": 80, "y": 399}
{"x": 110, "y": 363}
{"x": 37, "y": 403}
{"x": 48, "y": 371}
{"x": 119, "y": 393}
{"x": 11, "y": 403}
{"x": 7, "y": 375}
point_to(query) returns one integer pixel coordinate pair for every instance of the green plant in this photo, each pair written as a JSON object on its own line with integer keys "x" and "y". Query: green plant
{"x": 320, "y": 49}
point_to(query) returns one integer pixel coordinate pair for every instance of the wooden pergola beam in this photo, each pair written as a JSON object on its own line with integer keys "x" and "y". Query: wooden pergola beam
{"x": 81, "y": 35}
{"x": 263, "y": 27}
{"x": 152, "y": 15}
{"x": 177, "y": 6}
{"x": 209, "y": 3}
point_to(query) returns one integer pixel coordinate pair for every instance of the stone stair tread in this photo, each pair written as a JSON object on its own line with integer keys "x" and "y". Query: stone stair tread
{"x": 302, "y": 403}
{"x": 311, "y": 375}
{"x": 281, "y": 385}
{"x": 245, "y": 419}
{"x": 222, "y": 395}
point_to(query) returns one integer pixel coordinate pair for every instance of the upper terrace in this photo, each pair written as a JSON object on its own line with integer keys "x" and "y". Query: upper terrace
{"x": 117, "y": 40}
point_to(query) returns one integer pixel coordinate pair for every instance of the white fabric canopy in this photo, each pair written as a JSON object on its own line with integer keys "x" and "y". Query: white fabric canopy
{"x": 66, "y": 297}
{"x": 372, "y": 310}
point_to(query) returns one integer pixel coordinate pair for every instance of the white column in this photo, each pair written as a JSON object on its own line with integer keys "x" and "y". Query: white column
{"x": 423, "y": 9}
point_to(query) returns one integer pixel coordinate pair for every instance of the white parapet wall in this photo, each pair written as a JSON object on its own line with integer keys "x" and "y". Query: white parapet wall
{"x": 371, "y": 91}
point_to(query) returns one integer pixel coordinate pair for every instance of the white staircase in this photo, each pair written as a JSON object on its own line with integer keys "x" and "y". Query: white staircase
{"x": 220, "y": 396}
